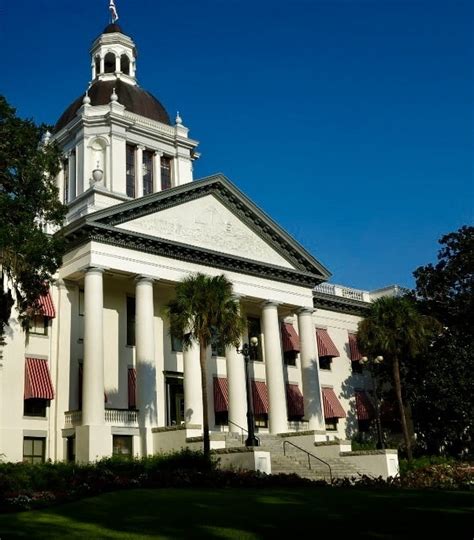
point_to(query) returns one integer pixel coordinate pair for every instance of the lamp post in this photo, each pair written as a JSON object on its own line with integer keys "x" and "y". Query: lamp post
{"x": 245, "y": 352}
{"x": 369, "y": 364}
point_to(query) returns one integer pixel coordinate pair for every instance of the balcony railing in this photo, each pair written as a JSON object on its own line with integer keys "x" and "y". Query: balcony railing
{"x": 115, "y": 417}
{"x": 345, "y": 292}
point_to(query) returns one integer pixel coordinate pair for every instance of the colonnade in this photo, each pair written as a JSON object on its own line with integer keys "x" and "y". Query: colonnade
{"x": 146, "y": 398}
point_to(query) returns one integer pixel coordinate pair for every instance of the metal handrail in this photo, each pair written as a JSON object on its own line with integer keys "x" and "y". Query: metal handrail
{"x": 242, "y": 429}
{"x": 309, "y": 455}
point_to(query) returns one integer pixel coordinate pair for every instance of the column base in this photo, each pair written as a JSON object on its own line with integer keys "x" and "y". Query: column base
{"x": 146, "y": 442}
{"x": 93, "y": 443}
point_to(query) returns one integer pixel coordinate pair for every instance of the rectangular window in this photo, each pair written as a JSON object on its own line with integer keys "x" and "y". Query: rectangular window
{"x": 38, "y": 325}
{"x": 165, "y": 173}
{"x": 71, "y": 449}
{"x": 35, "y": 407}
{"x": 34, "y": 449}
{"x": 147, "y": 172}
{"x": 331, "y": 424}
{"x": 290, "y": 358}
{"x": 325, "y": 362}
{"x": 66, "y": 181}
{"x": 176, "y": 344}
{"x": 261, "y": 420}
{"x": 130, "y": 321}
{"x": 123, "y": 445}
{"x": 217, "y": 349}
{"x": 222, "y": 418}
{"x": 130, "y": 169}
{"x": 81, "y": 302}
{"x": 254, "y": 330}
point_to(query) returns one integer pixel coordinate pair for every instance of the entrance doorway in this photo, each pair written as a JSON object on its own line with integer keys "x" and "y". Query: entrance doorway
{"x": 175, "y": 400}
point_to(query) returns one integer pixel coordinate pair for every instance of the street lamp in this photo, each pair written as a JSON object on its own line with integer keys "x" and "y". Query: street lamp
{"x": 245, "y": 351}
{"x": 369, "y": 364}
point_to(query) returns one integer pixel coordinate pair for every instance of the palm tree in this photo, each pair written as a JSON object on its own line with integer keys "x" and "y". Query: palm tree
{"x": 205, "y": 312}
{"x": 395, "y": 329}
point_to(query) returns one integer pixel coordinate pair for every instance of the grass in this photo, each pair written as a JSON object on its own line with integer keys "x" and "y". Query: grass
{"x": 252, "y": 514}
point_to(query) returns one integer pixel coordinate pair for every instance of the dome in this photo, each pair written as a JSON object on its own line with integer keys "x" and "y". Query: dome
{"x": 134, "y": 99}
{"x": 112, "y": 28}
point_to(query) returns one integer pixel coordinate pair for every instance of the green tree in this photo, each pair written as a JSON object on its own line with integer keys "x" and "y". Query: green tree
{"x": 204, "y": 312}
{"x": 29, "y": 202}
{"x": 443, "y": 384}
{"x": 395, "y": 329}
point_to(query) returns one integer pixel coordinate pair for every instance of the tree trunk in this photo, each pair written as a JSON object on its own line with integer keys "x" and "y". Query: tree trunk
{"x": 398, "y": 391}
{"x": 205, "y": 415}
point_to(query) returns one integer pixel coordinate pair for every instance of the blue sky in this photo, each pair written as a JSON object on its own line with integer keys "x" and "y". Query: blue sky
{"x": 349, "y": 121}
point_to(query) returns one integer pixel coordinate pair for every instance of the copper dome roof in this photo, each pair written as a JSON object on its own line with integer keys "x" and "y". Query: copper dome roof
{"x": 135, "y": 100}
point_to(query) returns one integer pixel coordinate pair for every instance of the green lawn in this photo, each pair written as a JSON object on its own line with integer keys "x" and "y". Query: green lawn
{"x": 320, "y": 513}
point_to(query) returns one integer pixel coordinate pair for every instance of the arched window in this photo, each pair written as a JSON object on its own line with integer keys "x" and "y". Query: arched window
{"x": 125, "y": 64}
{"x": 109, "y": 63}
{"x": 97, "y": 65}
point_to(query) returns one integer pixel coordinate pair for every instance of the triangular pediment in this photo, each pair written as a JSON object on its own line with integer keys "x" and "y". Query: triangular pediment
{"x": 208, "y": 221}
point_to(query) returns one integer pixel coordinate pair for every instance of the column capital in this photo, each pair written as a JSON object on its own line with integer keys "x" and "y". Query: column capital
{"x": 144, "y": 278}
{"x": 159, "y": 153}
{"x": 141, "y": 147}
{"x": 94, "y": 270}
{"x": 305, "y": 310}
{"x": 270, "y": 304}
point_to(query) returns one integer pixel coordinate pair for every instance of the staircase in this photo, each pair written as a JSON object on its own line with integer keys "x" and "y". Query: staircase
{"x": 296, "y": 461}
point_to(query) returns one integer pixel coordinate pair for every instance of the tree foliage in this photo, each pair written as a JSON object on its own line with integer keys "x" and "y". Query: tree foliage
{"x": 396, "y": 330}
{"x": 205, "y": 312}
{"x": 29, "y": 202}
{"x": 443, "y": 385}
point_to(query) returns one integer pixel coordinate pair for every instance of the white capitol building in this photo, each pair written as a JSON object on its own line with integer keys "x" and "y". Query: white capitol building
{"x": 98, "y": 372}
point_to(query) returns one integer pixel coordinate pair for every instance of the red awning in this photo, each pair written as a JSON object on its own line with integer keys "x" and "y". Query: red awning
{"x": 354, "y": 348}
{"x": 132, "y": 387}
{"x": 289, "y": 338}
{"x": 294, "y": 400}
{"x": 332, "y": 406}
{"x": 326, "y": 346}
{"x": 221, "y": 394}
{"x": 46, "y": 306}
{"x": 364, "y": 407}
{"x": 260, "y": 397}
{"x": 38, "y": 382}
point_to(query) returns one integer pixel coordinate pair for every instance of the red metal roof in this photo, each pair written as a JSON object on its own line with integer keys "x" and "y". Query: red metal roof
{"x": 364, "y": 407}
{"x": 289, "y": 337}
{"x": 332, "y": 406}
{"x": 326, "y": 346}
{"x": 354, "y": 348}
{"x": 260, "y": 397}
{"x": 221, "y": 394}
{"x": 38, "y": 382}
{"x": 294, "y": 399}
{"x": 132, "y": 387}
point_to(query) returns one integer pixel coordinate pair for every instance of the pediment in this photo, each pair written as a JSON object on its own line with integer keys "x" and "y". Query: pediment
{"x": 206, "y": 223}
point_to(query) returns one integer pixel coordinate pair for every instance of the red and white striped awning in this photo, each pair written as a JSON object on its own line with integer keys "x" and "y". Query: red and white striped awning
{"x": 364, "y": 407}
{"x": 45, "y": 305}
{"x": 289, "y": 338}
{"x": 132, "y": 387}
{"x": 221, "y": 394}
{"x": 38, "y": 382}
{"x": 332, "y": 406}
{"x": 294, "y": 400}
{"x": 354, "y": 348}
{"x": 326, "y": 346}
{"x": 260, "y": 397}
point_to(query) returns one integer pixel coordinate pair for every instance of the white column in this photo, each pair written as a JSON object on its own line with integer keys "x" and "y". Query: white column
{"x": 175, "y": 172}
{"x": 278, "y": 421}
{"x": 117, "y": 63}
{"x": 237, "y": 390}
{"x": 313, "y": 411}
{"x": 102, "y": 64}
{"x": 93, "y": 69}
{"x": 192, "y": 386}
{"x": 145, "y": 360}
{"x": 157, "y": 171}
{"x": 139, "y": 171}
{"x": 93, "y": 368}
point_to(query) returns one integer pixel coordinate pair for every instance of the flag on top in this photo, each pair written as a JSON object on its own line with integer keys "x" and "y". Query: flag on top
{"x": 113, "y": 11}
